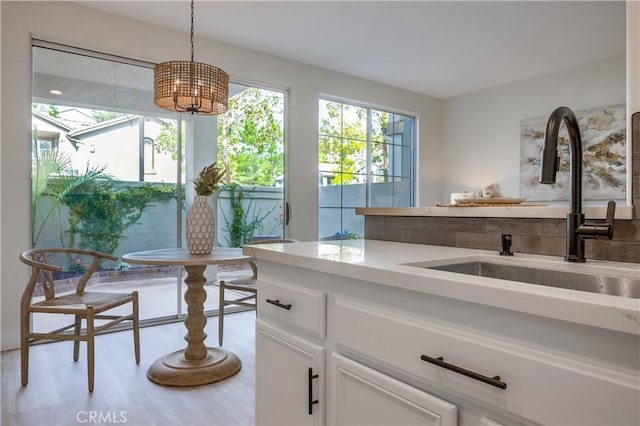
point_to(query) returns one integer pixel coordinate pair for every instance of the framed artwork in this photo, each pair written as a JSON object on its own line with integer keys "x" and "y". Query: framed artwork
{"x": 604, "y": 156}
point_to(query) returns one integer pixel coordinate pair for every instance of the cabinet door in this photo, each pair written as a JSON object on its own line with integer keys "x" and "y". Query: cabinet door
{"x": 289, "y": 379}
{"x": 363, "y": 396}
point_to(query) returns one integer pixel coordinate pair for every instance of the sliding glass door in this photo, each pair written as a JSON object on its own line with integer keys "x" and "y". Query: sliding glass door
{"x": 112, "y": 172}
{"x": 251, "y": 204}
{"x": 105, "y": 171}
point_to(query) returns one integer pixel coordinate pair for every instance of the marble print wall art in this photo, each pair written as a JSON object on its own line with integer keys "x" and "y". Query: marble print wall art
{"x": 604, "y": 156}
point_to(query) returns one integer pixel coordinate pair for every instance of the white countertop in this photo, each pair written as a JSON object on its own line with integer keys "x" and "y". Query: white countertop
{"x": 385, "y": 262}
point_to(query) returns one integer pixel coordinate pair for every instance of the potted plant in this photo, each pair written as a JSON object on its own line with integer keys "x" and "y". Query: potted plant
{"x": 200, "y": 217}
{"x": 207, "y": 181}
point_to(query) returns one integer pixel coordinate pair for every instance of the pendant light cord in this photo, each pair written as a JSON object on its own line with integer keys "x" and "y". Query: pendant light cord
{"x": 191, "y": 30}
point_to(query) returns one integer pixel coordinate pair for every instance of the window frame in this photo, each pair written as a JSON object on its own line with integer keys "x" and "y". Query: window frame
{"x": 370, "y": 177}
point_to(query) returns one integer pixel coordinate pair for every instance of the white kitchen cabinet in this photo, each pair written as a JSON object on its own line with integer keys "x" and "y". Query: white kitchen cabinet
{"x": 535, "y": 385}
{"x": 289, "y": 379}
{"x": 363, "y": 396}
{"x": 499, "y": 366}
{"x": 485, "y": 421}
{"x": 302, "y": 309}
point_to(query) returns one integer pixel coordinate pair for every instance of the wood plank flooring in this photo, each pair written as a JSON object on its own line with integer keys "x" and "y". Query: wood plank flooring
{"x": 57, "y": 390}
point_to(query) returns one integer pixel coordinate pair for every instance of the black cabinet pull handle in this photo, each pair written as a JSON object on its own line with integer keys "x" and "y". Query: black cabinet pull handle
{"x": 439, "y": 361}
{"x": 311, "y": 400}
{"x": 277, "y": 303}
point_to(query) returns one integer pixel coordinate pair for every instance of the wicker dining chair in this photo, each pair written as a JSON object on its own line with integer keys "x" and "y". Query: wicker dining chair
{"x": 81, "y": 304}
{"x": 248, "y": 286}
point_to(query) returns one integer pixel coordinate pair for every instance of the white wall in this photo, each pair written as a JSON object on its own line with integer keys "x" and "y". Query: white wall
{"x": 482, "y": 129}
{"x": 83, "y": 27}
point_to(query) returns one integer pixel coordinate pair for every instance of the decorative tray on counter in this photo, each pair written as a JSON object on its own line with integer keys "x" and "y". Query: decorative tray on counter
{"x": 494, "y": 200}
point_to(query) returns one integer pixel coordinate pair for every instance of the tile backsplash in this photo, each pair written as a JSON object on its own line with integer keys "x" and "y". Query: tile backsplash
{"x": 537, "y": 236}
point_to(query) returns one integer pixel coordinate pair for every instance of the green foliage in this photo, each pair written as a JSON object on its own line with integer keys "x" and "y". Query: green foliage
{"x": 167, "y": 141}
{"x": 343, "y": 139}
{"x": 245, "y": 221}
{"x": 51, "y": 177}
{"x": 250, "y": 137}
{"x": 78, "y": 266}
{"x": 100, "y": 116}
{"x": 100, "y": 215}
{"x": 343, "y": 135}
{"x": 51, "y": 110}
{"x": 43, "y": 165}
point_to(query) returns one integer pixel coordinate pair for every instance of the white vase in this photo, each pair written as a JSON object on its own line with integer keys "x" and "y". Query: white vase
{"x": 200, "y": 226}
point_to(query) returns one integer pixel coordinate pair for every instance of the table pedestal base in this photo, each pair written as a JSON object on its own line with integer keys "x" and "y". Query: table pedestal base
{"x": 175, "y": 370}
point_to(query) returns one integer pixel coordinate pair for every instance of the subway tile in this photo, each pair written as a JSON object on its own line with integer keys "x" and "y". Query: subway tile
{"x": 562, "y": 228}
{"x": 458, "y": 224}
{"x": 624, "y": 251}
{"x": 551, "y": 227}
{"x": 626, "y": 230}
{"x": 374, "y": 221}
{"x": 440, "y": 238}
{"x": 534, "y": 244}
{"x": 469, "y": 233}
{"x": 635, "y": 132}
{"x": 596, "y": 249}
{"x": 385, "y": 234}
{"x": 477, "y": 240}
{"x": 417, "y": 236}
{"x": 515, "y": 226}
{"x": 407, "y": 222}
{"x": 635, "y": 165}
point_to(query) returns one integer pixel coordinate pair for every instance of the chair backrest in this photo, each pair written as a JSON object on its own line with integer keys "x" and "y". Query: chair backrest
{"x": 253, "y": 265}
{"x": 272, "y": 241}
{"x": 45, "y": 261}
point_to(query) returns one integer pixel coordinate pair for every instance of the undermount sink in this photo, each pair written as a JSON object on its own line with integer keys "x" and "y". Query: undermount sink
{"x": 594, "y": 283}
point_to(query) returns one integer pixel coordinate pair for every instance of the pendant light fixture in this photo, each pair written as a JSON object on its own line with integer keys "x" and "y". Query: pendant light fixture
{"x": 188, "y": 86}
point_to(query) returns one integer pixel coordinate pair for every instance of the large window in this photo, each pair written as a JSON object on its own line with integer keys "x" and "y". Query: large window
{"x": 112, "y": 172}
{"x": 365, "y": 159}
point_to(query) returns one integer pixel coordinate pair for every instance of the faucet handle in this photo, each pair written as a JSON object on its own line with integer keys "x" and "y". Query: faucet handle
{"x": 611, "y": 212}
{"x": 593, "y": 231}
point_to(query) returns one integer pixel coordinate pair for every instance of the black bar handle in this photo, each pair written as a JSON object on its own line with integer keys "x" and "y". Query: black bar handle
{"x": 439, "y": 361}
{"x": 287, "y": 214}
{"x": 278, "y": 304}
{"x": 311, "y": 400}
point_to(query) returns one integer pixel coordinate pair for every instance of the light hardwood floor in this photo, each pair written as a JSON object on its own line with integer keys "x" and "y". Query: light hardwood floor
{"x": 57, "y": 390}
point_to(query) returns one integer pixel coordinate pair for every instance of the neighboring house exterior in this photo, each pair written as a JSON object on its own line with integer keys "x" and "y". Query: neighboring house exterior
{"x": 50, "y": 134}
{"x": 125, "y": 145}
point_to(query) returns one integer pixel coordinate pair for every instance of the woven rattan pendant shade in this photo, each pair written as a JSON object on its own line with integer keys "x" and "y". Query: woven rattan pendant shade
{"x": 188, "y": 86}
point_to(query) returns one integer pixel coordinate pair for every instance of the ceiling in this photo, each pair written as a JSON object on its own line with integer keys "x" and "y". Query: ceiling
{"x": 438, "y": 48}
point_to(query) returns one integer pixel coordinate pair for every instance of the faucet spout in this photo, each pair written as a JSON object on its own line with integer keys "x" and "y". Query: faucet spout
{"x": 548, "y": 167}
{"x": 577, "y": 229}
{"x": 550, "y": 154}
